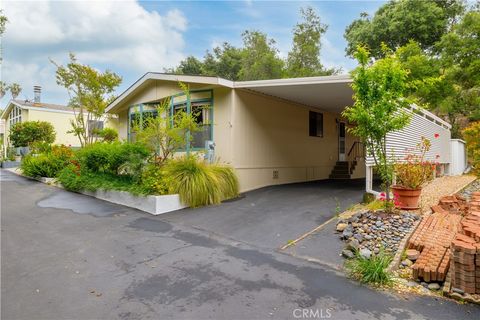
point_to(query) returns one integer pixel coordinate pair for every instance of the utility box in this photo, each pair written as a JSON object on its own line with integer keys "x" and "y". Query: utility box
{"x": 209, "y": 151}
{"x": 458, "y": 157}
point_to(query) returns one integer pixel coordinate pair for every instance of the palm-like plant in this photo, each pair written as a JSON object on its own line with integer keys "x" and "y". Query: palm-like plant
{"x": 3, "y": 89}
{"x": 15, "y": 90}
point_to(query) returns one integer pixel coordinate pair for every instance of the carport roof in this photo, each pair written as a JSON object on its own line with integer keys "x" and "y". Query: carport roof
{"x": 330, "y": 93}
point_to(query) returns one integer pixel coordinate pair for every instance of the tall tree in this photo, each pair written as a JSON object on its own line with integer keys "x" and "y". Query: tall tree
{"x": 90, "y": 93}
{"x": 398, "y": 22}
{"x": 225, "y": 62}
{"x": 190, "y": 65}
{"x": 304, "y": 58}
{"x": 260, "y": 58}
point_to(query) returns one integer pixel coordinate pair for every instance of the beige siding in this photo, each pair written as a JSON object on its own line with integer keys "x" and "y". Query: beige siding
{"x": 272, "y": 134}
{"x": 258, "y": 134}
{"x": 154, "y": 90}
{"x": 223, "y": 124}
{"x": 61, "y": 123}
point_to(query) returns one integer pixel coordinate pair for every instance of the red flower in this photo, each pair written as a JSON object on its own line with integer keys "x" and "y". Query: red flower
{"x": 436, "y": 135}
{"x": 382, "y": 194}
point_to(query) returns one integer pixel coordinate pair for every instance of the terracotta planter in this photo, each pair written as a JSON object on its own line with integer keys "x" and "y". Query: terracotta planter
{"x": 407, "y": 198}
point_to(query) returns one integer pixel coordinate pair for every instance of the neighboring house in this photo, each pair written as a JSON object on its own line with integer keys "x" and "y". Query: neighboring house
{"x": 59, "y": 116}
{"x": 276, "y": 131}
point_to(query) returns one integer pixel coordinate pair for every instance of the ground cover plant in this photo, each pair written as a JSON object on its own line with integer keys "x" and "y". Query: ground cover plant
{"x": 370, "y": 270}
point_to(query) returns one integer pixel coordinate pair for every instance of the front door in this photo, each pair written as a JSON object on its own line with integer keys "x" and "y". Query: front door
{"x": 341, "y": 141}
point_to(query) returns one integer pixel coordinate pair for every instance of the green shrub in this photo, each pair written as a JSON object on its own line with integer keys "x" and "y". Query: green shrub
{"x": 198, "y": 183}
{"x": 153, "y": 180}
{"x": 47, "y": 164}
{"x": 110, "y": 157}
{"x": 73, "y": 178}
{"x": 24, "y": 134}
{"x": 371, "y": 270}
{"x": 108, "y": 135}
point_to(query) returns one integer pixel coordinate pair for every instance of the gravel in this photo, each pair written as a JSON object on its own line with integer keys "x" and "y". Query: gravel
{"x": 369, "y": 231}
{"x": 472, "y": 187}
{"x": 440, "y": 187}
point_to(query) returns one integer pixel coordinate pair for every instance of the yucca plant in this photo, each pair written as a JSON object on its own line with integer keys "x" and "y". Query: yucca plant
{"x": 196, "y": 183}
{"x": 227, "y": 179}
{"x": 371, "y": 270}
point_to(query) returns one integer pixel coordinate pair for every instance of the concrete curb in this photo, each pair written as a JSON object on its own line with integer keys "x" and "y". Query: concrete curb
{"x": 151, "y": 204}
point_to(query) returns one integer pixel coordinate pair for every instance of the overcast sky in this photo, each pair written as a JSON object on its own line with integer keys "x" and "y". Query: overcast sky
{"x": 131, "y": 37}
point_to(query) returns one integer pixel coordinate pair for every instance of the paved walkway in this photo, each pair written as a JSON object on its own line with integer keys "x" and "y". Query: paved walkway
{"x": 68, "y": 256}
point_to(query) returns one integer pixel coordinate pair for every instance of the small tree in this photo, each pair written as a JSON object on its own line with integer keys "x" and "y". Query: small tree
{"x": 379, "y": 90}
{"x": 472, "y": 138}
{"x": 166, "y": 133}
{"x": 30, "y": 133}
{"x": 90, "y": 93}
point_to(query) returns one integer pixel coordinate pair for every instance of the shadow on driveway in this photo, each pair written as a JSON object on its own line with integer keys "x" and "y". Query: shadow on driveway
{"x": 269, "y": 217}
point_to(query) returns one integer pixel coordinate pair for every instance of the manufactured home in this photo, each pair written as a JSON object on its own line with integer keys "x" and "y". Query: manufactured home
{"x": 276, "y": 131}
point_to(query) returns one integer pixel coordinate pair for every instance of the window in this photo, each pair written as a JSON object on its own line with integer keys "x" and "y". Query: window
{"x": 315, "y": 124}
{"x": 15, "y": 116}
{"x": 94, "y": 126}
{"x": 200, "y": 105}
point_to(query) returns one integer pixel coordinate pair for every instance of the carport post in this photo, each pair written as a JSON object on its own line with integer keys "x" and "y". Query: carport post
{"x": 368, "y": 178}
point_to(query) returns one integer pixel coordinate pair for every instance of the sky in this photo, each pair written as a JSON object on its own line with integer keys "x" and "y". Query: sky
{"x": 133, "y": 37}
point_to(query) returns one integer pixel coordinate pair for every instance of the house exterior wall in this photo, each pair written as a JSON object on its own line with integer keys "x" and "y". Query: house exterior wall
{"x": 400, "y": 143}
{"x": 60, "y": 122}
{"x": 270, "y": 135}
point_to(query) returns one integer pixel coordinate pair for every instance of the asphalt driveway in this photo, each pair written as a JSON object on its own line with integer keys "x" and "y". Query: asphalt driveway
{"x": 69, "y": 256}
{"x": 271, "y": 216}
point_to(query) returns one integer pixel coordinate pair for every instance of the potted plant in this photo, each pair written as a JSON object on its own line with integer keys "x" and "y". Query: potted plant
{"x": 411, "y": 175}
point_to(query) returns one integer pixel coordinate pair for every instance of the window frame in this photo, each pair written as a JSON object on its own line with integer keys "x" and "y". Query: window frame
{"x": 139, "y": 108}
{"x": 313, "y": 120}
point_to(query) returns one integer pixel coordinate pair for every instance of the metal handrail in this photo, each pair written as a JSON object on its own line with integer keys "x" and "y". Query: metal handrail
{"x": 357, "y": 150}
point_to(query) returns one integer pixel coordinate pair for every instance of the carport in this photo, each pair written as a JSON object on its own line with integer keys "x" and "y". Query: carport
{"x": 272, "y": 216}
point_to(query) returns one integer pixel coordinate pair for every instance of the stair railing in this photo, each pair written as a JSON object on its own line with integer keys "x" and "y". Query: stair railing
{"x": 357, "y": 151}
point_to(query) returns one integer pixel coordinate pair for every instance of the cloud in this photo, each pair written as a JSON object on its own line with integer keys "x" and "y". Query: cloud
{"x": 122, "y": 36}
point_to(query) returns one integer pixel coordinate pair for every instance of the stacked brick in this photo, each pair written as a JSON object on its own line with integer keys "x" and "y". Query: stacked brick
{"x": 433, "y": 238}
{"x": 465, "y": 262}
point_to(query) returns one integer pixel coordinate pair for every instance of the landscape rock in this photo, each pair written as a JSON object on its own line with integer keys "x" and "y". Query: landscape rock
{"x": 346, "y": 234}
{"x": 377, "y": 230}
{"x": 434, "y": 286}
{"x": 347, "y": 254}
{"x": 412, "y": 254}
{"x": 407, "y": 263}
{"x": 365, "y": 253}
{"x": 353, "y": 245}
